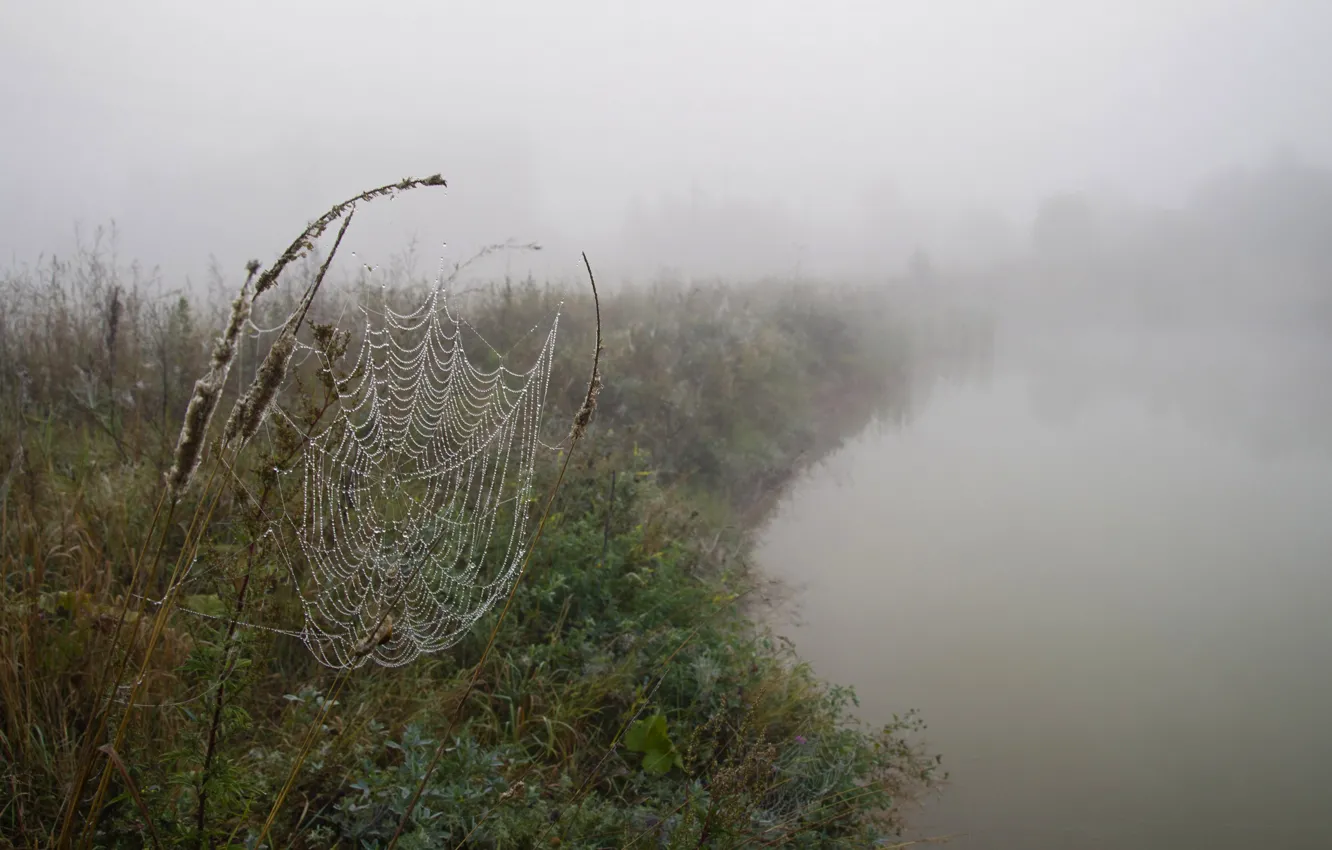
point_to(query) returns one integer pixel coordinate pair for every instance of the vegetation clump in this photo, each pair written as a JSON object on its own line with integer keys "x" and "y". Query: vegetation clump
{"x": 626, "y": 700}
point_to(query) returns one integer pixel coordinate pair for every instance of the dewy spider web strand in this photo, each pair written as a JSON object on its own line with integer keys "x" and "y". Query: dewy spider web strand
{"x": 414, "y": 502}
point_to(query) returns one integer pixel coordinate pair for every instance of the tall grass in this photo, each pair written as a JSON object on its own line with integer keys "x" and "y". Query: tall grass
{"x": 714, "y": 399}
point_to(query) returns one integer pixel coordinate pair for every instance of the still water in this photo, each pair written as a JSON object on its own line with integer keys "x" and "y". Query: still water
{"x": 1104, "y": 575}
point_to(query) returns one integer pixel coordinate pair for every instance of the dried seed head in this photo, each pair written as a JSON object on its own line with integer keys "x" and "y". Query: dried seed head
{"x": 589, "y": 407}
{"x": 381, "y": 636}
{"x": 225, "y": 348}
{"x": 207, "y": 392}
{"x": 188, "y": 447}
{"x": 305, "y": 242}
{"x": 113, "y": 312}
{"x": 594, "y": 383}
{"x": 252, "y": 408}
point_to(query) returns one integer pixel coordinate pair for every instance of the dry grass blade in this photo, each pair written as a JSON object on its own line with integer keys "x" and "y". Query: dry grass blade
{"x": 241, "y": 723}
{"x": 200, "y": 411}
{"x": 193, "y": 537}
{"x": 115, "y": 759}
{"x": 102, "y": 694}
{"x": 307, "y": 744}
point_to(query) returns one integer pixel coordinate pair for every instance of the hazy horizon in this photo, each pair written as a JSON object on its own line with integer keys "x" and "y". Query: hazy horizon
{"x": 716, "y": 138}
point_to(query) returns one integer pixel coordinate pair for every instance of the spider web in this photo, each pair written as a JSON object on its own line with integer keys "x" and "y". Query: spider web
{"x": 805, "y": 777}
{"x": 414, "y": 501}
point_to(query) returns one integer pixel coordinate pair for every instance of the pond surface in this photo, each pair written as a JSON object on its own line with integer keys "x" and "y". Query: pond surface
{"x": 1104, "y": 575}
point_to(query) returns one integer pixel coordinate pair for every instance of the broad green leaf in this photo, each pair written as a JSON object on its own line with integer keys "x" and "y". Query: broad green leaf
{"x": 658, "y": 762}
{"x": 206, "y": 604}
{"x": 636, "y": 737}
{"x": 649, "y": 737}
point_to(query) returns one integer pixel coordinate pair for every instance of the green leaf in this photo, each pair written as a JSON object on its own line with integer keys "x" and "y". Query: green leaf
{"x": 657, "y": 762}
{"x": 635, "y": 739}
{"x": 206, "y": 604}
{"x": 649, "y": 737}
{"x": 647, "y": 734}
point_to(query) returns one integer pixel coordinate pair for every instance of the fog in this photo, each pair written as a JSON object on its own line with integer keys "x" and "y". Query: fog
{"x": 712, "y": 138}
{"x": 1097, "y": 559}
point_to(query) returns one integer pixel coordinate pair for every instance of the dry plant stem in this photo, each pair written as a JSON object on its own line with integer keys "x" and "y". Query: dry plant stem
{"x": 581, "y": 421}
{"x": 198, "y": 417}
{"x": 480, "y": 664}
{"x": 194, "y": 537}
{"x": 115, "y": 759}
{"x": 303, "y": 243}
{"x": 308, "y": 742}
{"x": 594, "y": 383}
{"x": 228, "y": 663}
{"x": 102, "y": 707}
{"x": 207, "y": 393}
{"x": 306, "y": 745}
{"x": 251, "y": 408}
{"x": 238, "y": 612}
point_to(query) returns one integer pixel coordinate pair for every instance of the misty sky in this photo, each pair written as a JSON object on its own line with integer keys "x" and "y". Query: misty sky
{"x": 221, "y": 128}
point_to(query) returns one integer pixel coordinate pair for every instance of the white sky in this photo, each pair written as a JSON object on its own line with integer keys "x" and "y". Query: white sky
{"x": 223, "y": 127}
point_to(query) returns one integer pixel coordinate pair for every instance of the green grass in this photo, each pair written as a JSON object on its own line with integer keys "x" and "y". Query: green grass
{"x": 715, "y": 399}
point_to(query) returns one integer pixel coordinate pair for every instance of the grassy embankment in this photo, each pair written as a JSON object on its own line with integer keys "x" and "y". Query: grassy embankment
{"x": 714, "y": 399}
